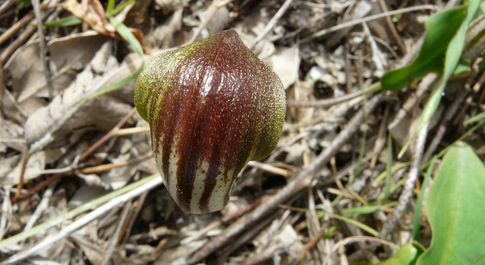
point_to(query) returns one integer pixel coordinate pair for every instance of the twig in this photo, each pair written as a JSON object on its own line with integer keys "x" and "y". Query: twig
{"x": 6, "y": 211}
{"x": 39, "y": 144}
{"x": 107, "y": 136}
{"x": 7, "y": 4}
{"x": 106, "y": 167}
{"x": 267, "y": 254}
{"x": 397, "y": 123}
{"x": 254, "y": 230}
{"x": 351, "y": 239}
{"x": 366, "y": 19}
{"x": 215, "y": 5}
{"x": 334, "y": 101}
{"x": 20, "y": 186}
{"x": 295, "y": 186}
{"x": 133, "y": 217}
{"x": 7, "y": 52}
{"x": 76, "y": 211}
{"x": 116, "y": 234}
{"x": 271, "y": 23}
{"x": 128, "y": 131}
{"x": 269, "y": 168}
{"x": 450, "y": 113}
{"x": 16, "y": 27}
{"x": 81, "y": 222}
{"x": 44, "y": 204}
{"x": 409, "y": 185}
{"x": 380, "y": 140}
{"x": 308, "y": 246}
{"x": 5, "y": 55}
{"x": 43, "y": 59}
{"x": 392, "y": 29}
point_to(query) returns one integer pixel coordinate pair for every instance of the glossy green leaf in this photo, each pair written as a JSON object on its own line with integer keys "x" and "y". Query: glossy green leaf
{"x": 455, "y": 207}
{"x": 440, "y": 30}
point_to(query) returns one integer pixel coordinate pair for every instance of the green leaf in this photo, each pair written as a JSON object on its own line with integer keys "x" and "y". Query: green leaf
{"x": 63, "y": 22}
{"x": 122, "y": 6}
{"x": 440, "y": 30}
{"x": 462, "y": 68}
{"x": 125, "y": 32}
{"x": 419, "y": 202}
{"x": 407, "y": 255}
{"x": 387, "y": 188}
{"x": 476, "y": 118}
{"x": 23, "y": 4}
{"x": 397, "y": 79}
{"x": 366, "y": 209}
{"x": 110, "y": 7}
{"x": 115, "y": 85}
{"x": 455, "y": 207}
{"x": 453, "y": 54}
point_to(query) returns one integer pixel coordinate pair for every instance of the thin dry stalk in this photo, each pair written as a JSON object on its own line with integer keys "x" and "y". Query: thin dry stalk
{"x": 392, "y": 29}
{"x": 215, "y": 5}
{"x": 366, "y": 19}
{"x": 81, "y": 222}
{"x": 409, "y": 185}
{"x": 272, "y": 23}
{"x": 42, "y": 46}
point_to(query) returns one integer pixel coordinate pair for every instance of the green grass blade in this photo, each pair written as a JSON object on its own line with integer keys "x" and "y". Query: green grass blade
{"x": 387, "y": 188}
{"x": 110, "y": 7}
{"x": 120, "y": 8}
{"x": 476, "y": 118}
{"x": 417, "y": 211}
{"x": 135, "y": 44}
{"x": 64, "y": 22}
{"x": 115, "y": 85}
{"x": 367, "y": 209}
{"x": 126, "y": 34}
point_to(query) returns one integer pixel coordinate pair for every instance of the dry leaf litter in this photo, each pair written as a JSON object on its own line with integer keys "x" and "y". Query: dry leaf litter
{"x": 47, "y": 130}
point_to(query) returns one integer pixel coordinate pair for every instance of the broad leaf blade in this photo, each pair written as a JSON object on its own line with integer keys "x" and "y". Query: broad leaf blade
{"x": 453, "y": 54}
{"x": 455, "y": 208}
{"x": 440, "y": 30}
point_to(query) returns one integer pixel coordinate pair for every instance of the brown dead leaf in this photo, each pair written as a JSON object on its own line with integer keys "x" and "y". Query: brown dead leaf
{"x": 93, "y": 14}
{"x": 63, "y": 115}
{"x": 68, "y": 55}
